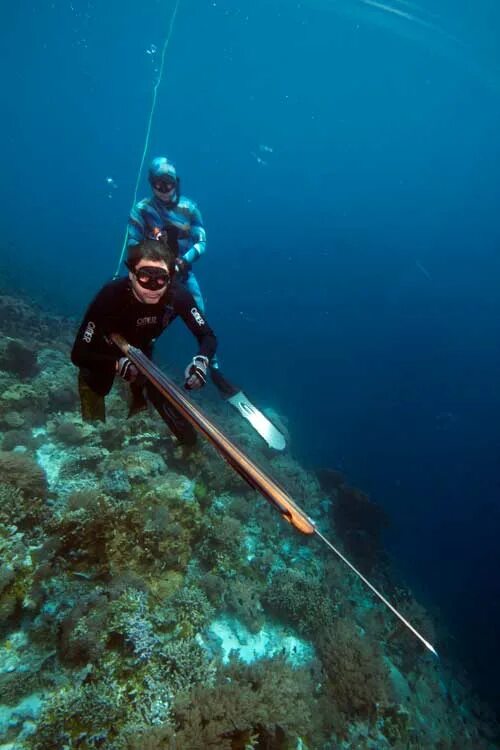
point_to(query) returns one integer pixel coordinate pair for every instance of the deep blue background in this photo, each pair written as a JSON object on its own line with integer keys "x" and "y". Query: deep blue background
{"x": 352, "y": 279}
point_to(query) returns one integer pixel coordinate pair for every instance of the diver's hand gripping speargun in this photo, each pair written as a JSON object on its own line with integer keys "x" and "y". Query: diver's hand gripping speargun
{"x": 246, "y": 468}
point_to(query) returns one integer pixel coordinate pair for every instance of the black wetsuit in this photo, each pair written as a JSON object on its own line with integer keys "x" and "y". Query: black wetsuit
{"x": 115, "y": 309}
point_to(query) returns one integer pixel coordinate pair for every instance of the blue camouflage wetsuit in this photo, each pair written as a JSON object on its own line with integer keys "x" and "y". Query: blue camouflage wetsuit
{"x": 180, "y": 218}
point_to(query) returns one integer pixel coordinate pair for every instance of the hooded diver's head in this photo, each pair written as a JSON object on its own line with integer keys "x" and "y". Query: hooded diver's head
{"x": 163, "y": 179}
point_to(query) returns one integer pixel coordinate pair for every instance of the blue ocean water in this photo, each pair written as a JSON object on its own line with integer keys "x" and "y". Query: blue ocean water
{"x": 345, "y": 158}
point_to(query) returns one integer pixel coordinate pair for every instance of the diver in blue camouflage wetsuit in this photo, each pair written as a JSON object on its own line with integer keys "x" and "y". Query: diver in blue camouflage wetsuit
{"x": 168, "y": 210}
{"x": 169, "y": 213}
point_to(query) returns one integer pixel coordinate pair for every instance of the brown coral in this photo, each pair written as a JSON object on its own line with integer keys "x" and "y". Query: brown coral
{"x": 23, "y": 472}
{"x": 19, "y": 359}
{"x": 357, "y": 676}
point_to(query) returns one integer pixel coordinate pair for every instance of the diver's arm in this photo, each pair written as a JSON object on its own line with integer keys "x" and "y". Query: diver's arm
{"x": 198, "y": 236}
{"x": 91, "y": 347}
{"x": 136, "y": 227}
{"x": 185, "y": 306}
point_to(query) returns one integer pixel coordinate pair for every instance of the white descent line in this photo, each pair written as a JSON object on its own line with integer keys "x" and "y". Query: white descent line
{"x": 148, "y": 129}
{"x": 377, "y": 593}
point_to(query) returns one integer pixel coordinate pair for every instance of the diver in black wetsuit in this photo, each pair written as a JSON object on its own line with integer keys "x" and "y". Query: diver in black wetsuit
{"x": 139, "y": 307}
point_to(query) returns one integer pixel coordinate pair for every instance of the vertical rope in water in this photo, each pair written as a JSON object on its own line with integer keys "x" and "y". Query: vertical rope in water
{"x": 150, "y": 123}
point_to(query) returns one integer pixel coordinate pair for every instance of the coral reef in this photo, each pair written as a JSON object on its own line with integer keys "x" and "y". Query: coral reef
{"x": 299, "y": 599}
{"x": 150, "y": 600}
{"x": 18, "y": 359}
{"x": 359, "y": 523}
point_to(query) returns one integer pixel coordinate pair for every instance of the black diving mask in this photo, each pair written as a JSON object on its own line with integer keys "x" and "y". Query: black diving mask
{"x": 164, "y": 184}
{"x": 150, "y": 277}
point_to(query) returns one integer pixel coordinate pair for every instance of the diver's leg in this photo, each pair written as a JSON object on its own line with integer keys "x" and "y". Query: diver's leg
{"x": 92, "y": 389}
{"x": 137, "y": 401}
{"x": 181, "y": 428}
{"x": 224, "y": 386}
{"x": 192, "y": 286}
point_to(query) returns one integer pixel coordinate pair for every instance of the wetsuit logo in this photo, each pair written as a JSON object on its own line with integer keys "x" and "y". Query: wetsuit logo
{"x": 148, "y": 321}
{"x": 89, "y": 332}
{"x": 196, "y": 315}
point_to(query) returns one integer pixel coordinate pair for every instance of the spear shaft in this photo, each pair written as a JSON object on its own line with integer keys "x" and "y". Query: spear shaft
{"x": 256, "y": 477}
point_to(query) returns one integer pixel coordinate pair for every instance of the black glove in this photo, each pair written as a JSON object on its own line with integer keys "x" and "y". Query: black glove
{"x": 196, "y": 373}
{"x": 182, "y": 267}
{"x": 127, "y": 370}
